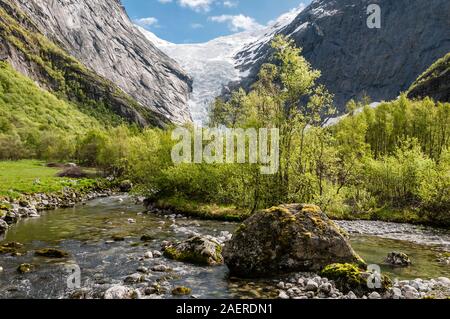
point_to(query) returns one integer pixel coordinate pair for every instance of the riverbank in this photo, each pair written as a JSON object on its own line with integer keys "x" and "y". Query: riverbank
{"x": 189, "y": 208}
{"x": 194, "y": 209}
{"x": 29, "y": 187}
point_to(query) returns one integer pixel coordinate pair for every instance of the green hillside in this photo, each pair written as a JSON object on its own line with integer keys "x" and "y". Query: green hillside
{"x": 31, "y": 115}
{"x": 434, "y": 82}
{"x": 64, "y": 75}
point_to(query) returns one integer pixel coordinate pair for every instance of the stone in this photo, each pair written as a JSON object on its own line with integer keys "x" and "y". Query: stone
{"x": 325, "y": 288}
{"x": 197, "y": 250}
{"x": 142, "y": 269}
{"x": 161, "y": 268}
{"x": 283, "y": 295}
{"x": 120, "y": 292}
{"x": 351, "y": 295}
{"x": 125, "y": 186}
{"x": 148, "y": 255}
{"x": 157, "y": 254}
{"x": 1, "y": 268}
{"x": 311, "y": 285}
{"x": 396, "y": 293}
{"x": 133, "y": 279}
{"x": 348, "y": 277}
{"x": 374, "y": 295}
{"x": 25, "y": 268}
{"x": 444, "y": 281}
{"x": 51, "y": 253}
{"x": 181, "y": 291}
{"x": 398, "y": 259}
{"x": 410, "y": 292}
{"x": 287, "y": 238}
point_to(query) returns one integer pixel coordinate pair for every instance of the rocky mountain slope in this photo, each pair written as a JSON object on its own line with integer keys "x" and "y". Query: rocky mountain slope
{"x": 434, "y": 82}
{"x": 355, "y": 60}
{"x": 28, "y": 51}
{"x": 212, "y": 65}
{"x": 102, "y": 37}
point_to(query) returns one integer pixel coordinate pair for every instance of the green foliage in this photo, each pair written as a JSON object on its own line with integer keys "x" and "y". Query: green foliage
{"x": 437, "y": 69}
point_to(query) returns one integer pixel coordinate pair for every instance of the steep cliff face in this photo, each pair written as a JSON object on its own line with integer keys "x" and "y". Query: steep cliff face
{"x": 28, "y": 51}
{"x": 434, "y": 82}
{"x": 355, "y": 60}
{"x": 100, "y": 35}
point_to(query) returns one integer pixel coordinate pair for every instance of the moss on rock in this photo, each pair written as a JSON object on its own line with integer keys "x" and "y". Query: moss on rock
{"x": 181, "y": 291}
{"x": 25, "y": 268}
{"x": 349, "y": 277}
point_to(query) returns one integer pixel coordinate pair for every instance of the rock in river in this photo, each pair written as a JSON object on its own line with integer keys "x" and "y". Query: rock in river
{"x": 196, "y": 250}
{"x": 398, "y": 259}
{"x": 3, "y": 226}
{"x": 51, "y": 253}
{"x": 121, "y": 292}
{"x": 25, "y": 268}
{"x": 287, "y": 238}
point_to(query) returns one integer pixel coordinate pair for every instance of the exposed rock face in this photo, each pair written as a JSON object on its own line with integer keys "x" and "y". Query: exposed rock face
{"x": 287, "y": 238}
{"x": 29, "y": 52}
{"x": 435, "y": 82}
{"x": 100, "y": 35}
{"x": 356, "y": 60}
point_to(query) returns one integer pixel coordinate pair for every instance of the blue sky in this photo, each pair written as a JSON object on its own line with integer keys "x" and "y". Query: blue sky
{"x": 190, "y": 21}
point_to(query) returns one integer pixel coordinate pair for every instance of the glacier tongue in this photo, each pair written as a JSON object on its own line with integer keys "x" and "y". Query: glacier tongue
{"x": 214, "y": 64}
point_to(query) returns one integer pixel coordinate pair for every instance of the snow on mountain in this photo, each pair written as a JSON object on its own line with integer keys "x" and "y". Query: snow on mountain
{"x": 214, "y": 64}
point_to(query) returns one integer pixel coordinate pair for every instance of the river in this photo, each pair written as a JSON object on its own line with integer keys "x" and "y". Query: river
{"x": 86, "y": 233}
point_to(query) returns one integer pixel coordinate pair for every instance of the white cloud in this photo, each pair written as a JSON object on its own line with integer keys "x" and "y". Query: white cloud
{"x": 230, "y": 4}
{"x": 147, "y": 22}
{"x": 197, "y": 5}
{"x": 164, "y": 1}
{"x": 237, "y": 22}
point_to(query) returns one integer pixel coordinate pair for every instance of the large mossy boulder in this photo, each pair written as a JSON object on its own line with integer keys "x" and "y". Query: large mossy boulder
{"x": 197, "y": 250}
{"x": 287, "y": 238}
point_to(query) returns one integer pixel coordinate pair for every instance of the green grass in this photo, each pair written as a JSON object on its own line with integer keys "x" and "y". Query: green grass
{"x": 30, "y": 176}
{"x": 202, "y": 210}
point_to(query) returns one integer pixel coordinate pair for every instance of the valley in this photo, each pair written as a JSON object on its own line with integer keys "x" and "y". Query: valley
{"x": 95, "y": 175}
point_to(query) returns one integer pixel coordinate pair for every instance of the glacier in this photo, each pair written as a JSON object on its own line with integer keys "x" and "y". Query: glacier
{"x": 214, "y": 64}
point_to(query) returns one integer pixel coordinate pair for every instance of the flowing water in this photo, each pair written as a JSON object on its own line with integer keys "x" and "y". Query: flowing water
{"x": 85, "y": 232}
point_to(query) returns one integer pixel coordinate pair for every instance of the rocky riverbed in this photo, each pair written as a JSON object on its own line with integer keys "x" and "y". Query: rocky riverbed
{"x": 30, "y": 206}
{"x": 120, "y": 254}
